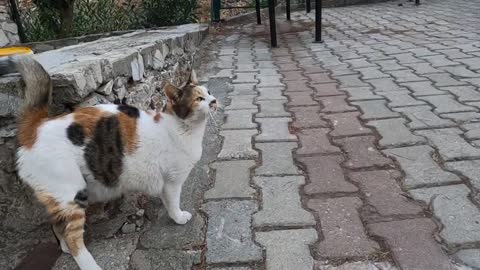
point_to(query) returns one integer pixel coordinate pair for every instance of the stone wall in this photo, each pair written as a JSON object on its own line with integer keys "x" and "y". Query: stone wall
{"x": 8, "y": 29}
{"x": 133, "y": 66}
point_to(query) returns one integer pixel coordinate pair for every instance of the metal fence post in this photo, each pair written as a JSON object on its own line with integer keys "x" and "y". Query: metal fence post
{"x": 273, "y": 26}
{"x": 318, "y": 21}
{"x": 216, "y": 4}
{"x": 308, "y": 6}
{"x": 287, "y": 9}
{"x": 257, "y": 10}
{"x": 417, "y": 2}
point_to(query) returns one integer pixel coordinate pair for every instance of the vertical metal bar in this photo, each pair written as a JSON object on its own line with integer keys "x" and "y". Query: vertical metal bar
{"x": 417, "y": 2}
{"x": 18, "y": 20}
{"x": 273, "y": 26}
{"x": 216, "y": 5}
{"x": 318, "y": 21}
{"x": 257, "y": 9}
{"x": 288, "y": 9}
{"x": 308, "y": 6}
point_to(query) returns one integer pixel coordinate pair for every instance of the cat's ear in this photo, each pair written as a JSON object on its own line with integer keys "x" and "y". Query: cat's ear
{"x": 172, "y": 92}
{"x": 193, "y": 78}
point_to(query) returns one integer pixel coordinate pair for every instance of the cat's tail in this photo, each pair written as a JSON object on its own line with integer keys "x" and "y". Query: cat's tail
{"x": 38, "y": 84}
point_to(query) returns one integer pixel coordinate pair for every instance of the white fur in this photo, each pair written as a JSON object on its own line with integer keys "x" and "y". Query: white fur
{"x": 166, "y": 153}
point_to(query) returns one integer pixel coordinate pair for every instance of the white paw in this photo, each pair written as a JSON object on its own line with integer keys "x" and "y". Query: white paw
{"x": 182, "y": 218}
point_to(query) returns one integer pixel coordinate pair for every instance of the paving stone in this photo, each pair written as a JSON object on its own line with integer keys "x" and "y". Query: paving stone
{"x": 468, "y": 168}
{"x": 334, "y": 104}
{"x": 270, "y": 81}
{"x": 297, "y": 86}
{"x": 229, "y": 268}
{"x": 232, "y": 180}
{"x": 395, "y": 133}
{"x": 326, "y": 175}
{"x": 462, "y": 117}
{"x": 439, "y": 61}
{"x": 447, "y": 104}
{"x": 315, "y": 141}
{"x": 229, "y": 236}
{"x": 300, "y": 98}
{"x": 460, "y": 71}
{"x": 342, "y": 228}
{"x": 450, "y": 144}
{"x": 272, "y": 108}
{"x": 245, "y": 78}
{"x": 472, "y": 131}
{"x": 423, "y": 89}
{"x": 473, "y": 81}
{"x": 223, "y": 73}
{"x": 400, "y": 99}
{"x": 241, "y": 102}
{"x": 470, "y": 257}
{"x": 463, "y": 93}
{"x": 412, "y": 244}
{"x": 276, "y": 159}
{"x": 341, "y": 70}
{"x": 365, "y": 265}
{"x": 443, "y": 79}
{"x": 472, "y": 63}
{"x": 451, "y": 206}
{"x": 243, "y": 89}
{"x": 406, "y": 58}
{"x": 245, "y": 68}
{"x": 388, "y": 65}
{"x": 288, "y": 249}
{"x": 237, "y": 144}
{"x": 266, "y": 64}
{"x": 152, "y": 259}
{"x": 360, "y": 93}
{"x": 384, "y": 194}
{"x": 375, "y": 109}
{"x": 274, "y": 129}
{"x": 346, "y": 124}
{"x": 308, "y": 69}
{"x": 454, "y": 53}
{"x": 239, "y": 119}
{"x": 423, "y": 68}
{"x": 402, "y": 76}
{"x": 351, "y": 81}
{"x": 320, "y": 78}
{"x": 385, "y": 85}
{"x": 281, "y": 202}
{"x": 288, "y": 66}
{"x": 292, "y": 76}
{"x": 326, "y": 89}
{"x": 423, "y": 117}
{"x": 362, "y": 152}
{"x": 307, "y": 117}
{"x": 359, "y": 63}
{"x": 271, "y": 94}
{"x": 371, "y": 73}
{"x": 265, "y": 73}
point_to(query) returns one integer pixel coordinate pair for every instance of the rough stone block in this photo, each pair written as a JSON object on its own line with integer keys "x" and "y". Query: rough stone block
{"x": 288, "y": 249}
{"x": 419, "y": 166}
{"x": 362, "y": 152}
{"x": 232, "y": 180}
{"x": 412, "y": 244}
{"x": 375, "y": 109}
{"x": 395, "y": 133}
{"x": 239, "y": 119}
{"x": 451, "y": 205}
{"x": 307, "y": 117}
{"x": 346, "y": 124}
{"x": 274, "y": 129}
{"x": 342, "y": 228}
{"x": 315, "y": 141}
{"x": 241, "y": 102}
{"x": 423, "y": 117}
{"x": 229, "y": 236}
{"x": 281, "y": 202}
{"x": 450, "y": 144}
{"x": 272, "y": 108}
{"x": 276, "y": 159}
{"x": 326, "y": 175}
{"x": 237, "y": 144}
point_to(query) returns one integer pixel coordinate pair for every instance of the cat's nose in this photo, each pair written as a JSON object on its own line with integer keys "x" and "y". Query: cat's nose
{"x": 213, "y": 104}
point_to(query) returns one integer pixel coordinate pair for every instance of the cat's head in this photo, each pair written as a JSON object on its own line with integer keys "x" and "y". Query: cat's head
{"x": 191, "y": 102}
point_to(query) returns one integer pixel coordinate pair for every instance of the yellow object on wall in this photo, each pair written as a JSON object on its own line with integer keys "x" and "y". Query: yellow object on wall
{"x": 15, "y": 50}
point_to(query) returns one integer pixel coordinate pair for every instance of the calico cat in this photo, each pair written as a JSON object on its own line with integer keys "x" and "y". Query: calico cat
{"x": 98, "y": 153}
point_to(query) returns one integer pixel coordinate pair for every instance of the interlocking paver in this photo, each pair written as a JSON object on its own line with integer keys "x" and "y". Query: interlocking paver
{"x": 351, "y": 81}
{"x": 443, "y": 79}
{"x": 245, "y": 78}
{"x": 231, "y": 180}
{"x": 319, "y": 78}
{"x": 300, "y": 98}
{"x": 362, "y": 152}
{"x": 375, "y": 109}
{"x": 335, "y": 104}
{"x": 459, "y": 216}
{"x": 276, "y": 159}
{"x": 468, "y": 168}
{"x": 239, "y": 119}
{"x": 387, "y": 65}
{"x": 271, "y": 93}
{"x": 402, "y": 76}
{"x": 423, "y": 68}
{"x": 346, "y": 124}
{"x": 326, "y": 175}
{"x": 463, "y": 93}
{"x": 297, "y": 86}
{"x": 400, "y": 99}
{"x": 385, "y": 85}
{"x": 371, "y": 73}
{"x": 360, "y": 93}
{"x": 460, "y": 71}
{"x": 281, "y": 202}
{"x": 269, "y": 81}
{"x": 274, "y": 129}
{"x": 470, "y": 257}
{"x": 315, "y": 141}
{"x": 272, "y": 108}
{"x": 384, "y": 194}
{"x": 447, "y": 104}
{"x": 423, "y": 89}
{"x": 395, "y": 133}
{"x": 229, "y": 237}
{"x": 307, "y": 117}
{"x": 241, "y": 102}
{"x": 287, "y": 249}
{"x": 462, "y": 117}
{"x": 243, "y": 89}
{"x": 423, "y": 117}
{"x": 450, "y": 144}
{"x": 439, "y": 61}
{"x": 326, "y": 89}
{"x": 342, "y": 228}
{"x": 237, "y": 144}
{"x": 412, "y": 243}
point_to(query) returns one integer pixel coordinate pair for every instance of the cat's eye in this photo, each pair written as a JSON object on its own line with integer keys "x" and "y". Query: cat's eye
{"x": 200, "y": 99}
{"x": 208, "y": 92}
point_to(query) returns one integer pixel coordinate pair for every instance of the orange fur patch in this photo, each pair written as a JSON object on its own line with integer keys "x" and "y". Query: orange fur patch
{"x": 157, "y": 117}
{"x": 28, "y": 126}
{"x": 87, "y": 118}
{"x": 128, "y": 131}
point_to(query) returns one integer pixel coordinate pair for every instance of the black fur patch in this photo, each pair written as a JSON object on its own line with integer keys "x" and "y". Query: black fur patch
{"x": 104, "y": 153}
{"x": 75, "y": 134}
{"x": 81, "y": 198}
{"x": 129, "y": 110}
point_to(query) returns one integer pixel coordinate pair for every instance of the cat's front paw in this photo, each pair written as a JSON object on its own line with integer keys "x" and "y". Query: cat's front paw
{"x": 182, "y": 218}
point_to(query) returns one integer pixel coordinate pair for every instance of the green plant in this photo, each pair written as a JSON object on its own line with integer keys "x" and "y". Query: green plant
{"x": 168, "y": 12}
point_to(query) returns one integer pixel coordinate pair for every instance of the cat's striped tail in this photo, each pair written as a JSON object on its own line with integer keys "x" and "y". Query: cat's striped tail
{"x": 38, "y": 84}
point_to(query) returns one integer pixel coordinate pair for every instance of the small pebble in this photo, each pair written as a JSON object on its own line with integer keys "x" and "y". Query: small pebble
{"x": 128, "y": 228}
{"x": 140, "y": 212}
